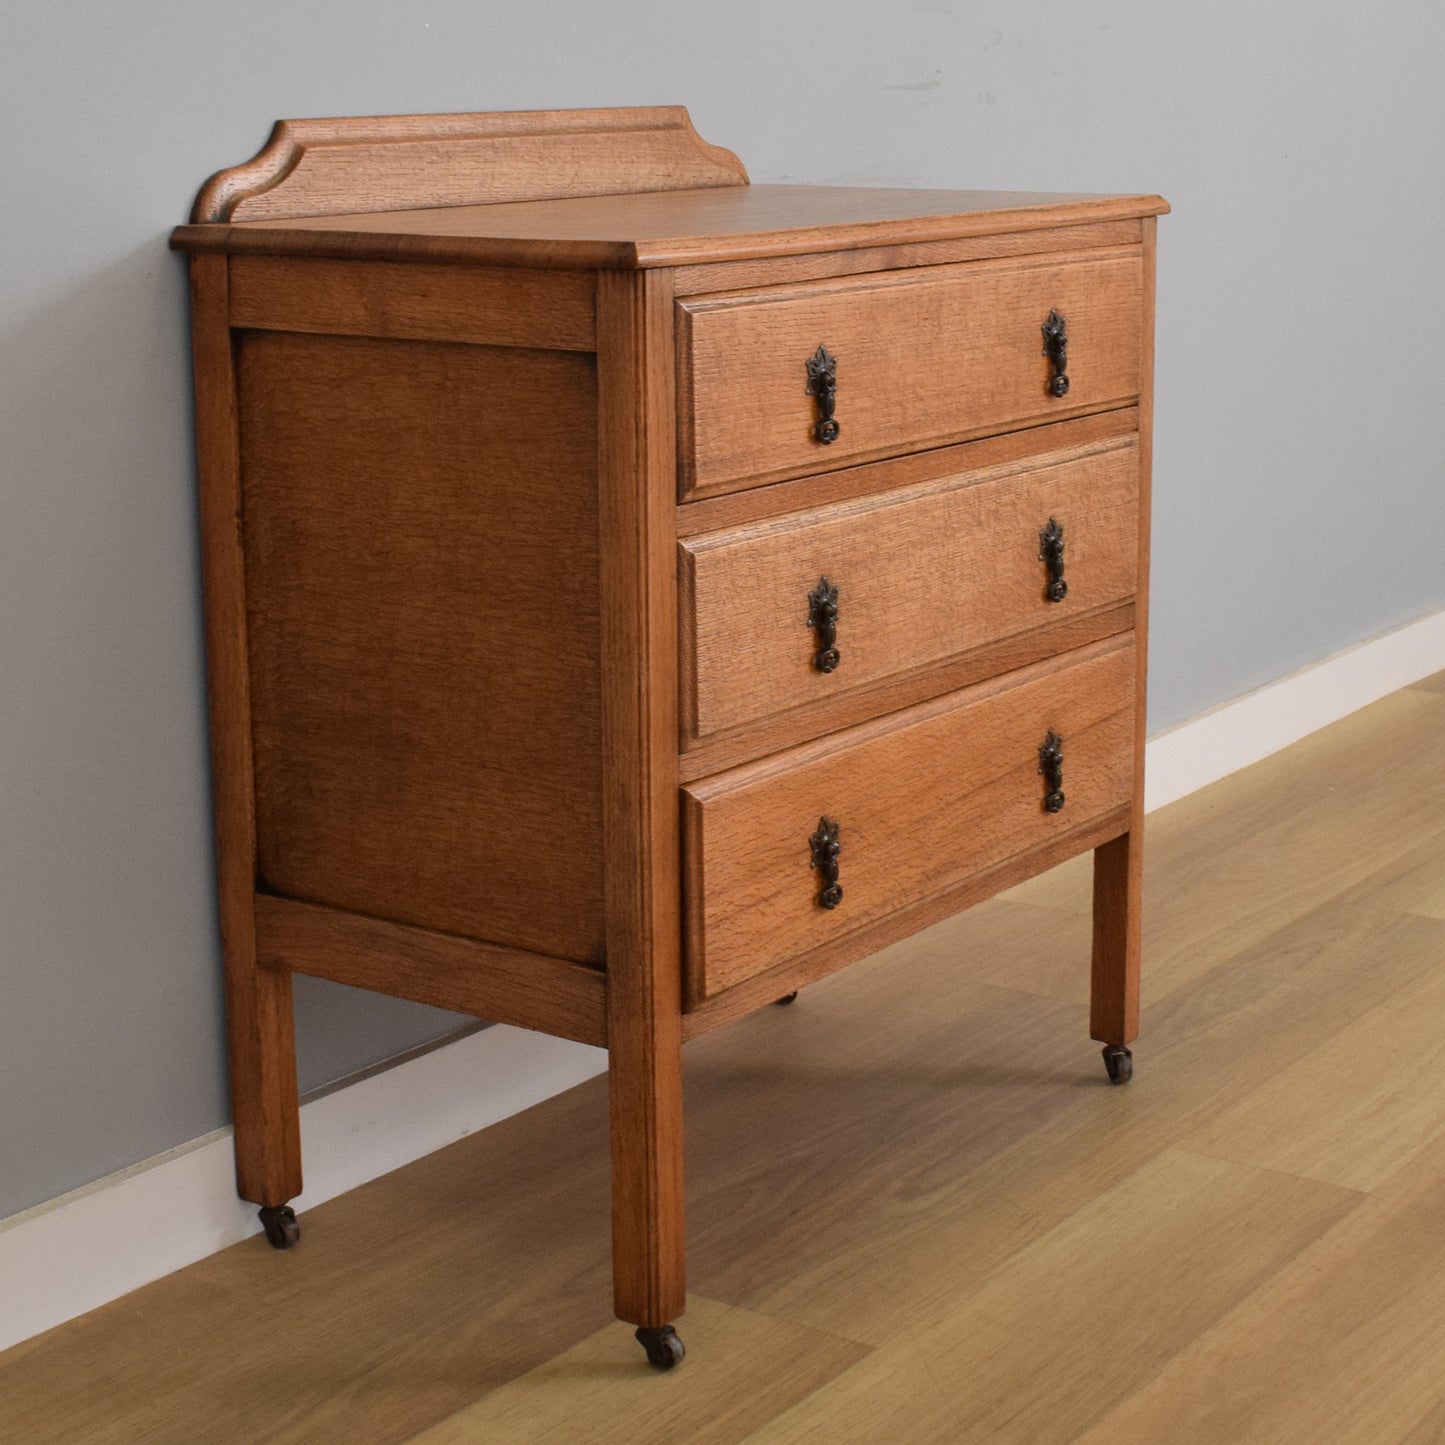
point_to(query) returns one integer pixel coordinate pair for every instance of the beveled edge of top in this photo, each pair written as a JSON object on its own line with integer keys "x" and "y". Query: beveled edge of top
{"x": 335, "y": 239}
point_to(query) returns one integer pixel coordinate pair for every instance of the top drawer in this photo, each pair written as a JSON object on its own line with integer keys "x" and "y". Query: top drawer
{"x": 922, "y": 358}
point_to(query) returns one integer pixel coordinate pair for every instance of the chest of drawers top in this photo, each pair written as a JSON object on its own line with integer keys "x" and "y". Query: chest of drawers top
{"x": 666, "y": 228}
{"x": 602, "y": 189}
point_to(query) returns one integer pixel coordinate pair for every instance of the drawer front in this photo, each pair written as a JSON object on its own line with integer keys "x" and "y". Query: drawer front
{"x": 914, "y": 577}
{"x": 921, "y": 801}
{"x": 922, "y": 358}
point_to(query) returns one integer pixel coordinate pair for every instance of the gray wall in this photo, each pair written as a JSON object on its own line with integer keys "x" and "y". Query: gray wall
{"x": 1299, "y": 416}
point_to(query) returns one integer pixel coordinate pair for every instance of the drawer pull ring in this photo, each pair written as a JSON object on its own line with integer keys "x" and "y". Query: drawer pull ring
{"x": 1051, "y": 765}
{"x": 823, "y": 384}
{"x": 823, "y": 618}
{"x": 1051, "y": 554}
{"x": 1056, "y": 348}
{"x": 826, "y": 846}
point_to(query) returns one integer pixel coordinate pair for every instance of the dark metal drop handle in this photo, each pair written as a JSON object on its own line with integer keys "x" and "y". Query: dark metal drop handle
{"x": 1051, "y": 554}
{"x": 826, "y": 845}
{"x": 823, "y": 619}
{"x": 1051, "y": 766}
{"x": 1056, "y": 348}
{"x": 823, "y": 385}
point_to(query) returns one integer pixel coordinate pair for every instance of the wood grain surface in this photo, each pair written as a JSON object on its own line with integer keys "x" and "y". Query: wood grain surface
{"x": 667, "y": 228}
{"x": 781, "y": 1363}
{"x": 1344, "y": 1343}
{"x": 554, "y": 310}
{"x": 422, "y": 558}
{"x": 1119, "y": 864}
{"x": 260, "y": 1029}
{"x": 639, "y": 741}
{"x": 710, "y": 514}
{"x": 1205, "y": 1232}
{"x": 920, "y": 1162}
{"x": 923, "y": 358}
{"x": 964, "y": 890}
{"x": 922, "y": 575}
{"x": 774, "y": 270}
{"x": 394, "y": 162}
{"x": 503, "y": 985}
{"x": 924, "y": 798}
{"x": 787, "y": 729}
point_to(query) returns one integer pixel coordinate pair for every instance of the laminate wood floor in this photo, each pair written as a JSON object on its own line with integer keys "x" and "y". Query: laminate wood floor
{"x": 917, "y": 1211}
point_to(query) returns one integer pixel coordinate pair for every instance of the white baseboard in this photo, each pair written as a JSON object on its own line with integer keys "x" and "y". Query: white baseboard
{"x": 1203, "y": 749}
{"x": 74, "y": 1253}
{"x": 67, "y": 1256}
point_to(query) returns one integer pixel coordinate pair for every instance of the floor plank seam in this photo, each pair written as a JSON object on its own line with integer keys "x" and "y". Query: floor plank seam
{"x": 1198, "y": 1153}
{"x": 763, "y": 1313}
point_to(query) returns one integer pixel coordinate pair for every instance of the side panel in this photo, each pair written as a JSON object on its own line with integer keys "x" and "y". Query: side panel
{"x": 422, "y": 558}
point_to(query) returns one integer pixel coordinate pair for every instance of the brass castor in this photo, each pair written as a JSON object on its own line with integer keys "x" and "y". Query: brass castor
{"x": 664, "y": 1349}
{"x": 787, "y": 998}
{"x": 280, "y": 1225}
{"x": 1119, "y": 1062}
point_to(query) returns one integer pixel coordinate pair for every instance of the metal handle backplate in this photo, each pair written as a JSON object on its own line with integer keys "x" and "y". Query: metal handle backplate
{"x": 1051, "y": 554}
{"x": 1056, "y": 348}
{"x": 823, "y": 385}
{"x": 823, "y": 619}
{"x": 1051, "y": 766}
{"x": 826, "y": 845}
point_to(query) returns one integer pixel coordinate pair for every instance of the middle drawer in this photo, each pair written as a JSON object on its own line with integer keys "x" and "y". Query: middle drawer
{"x": 786, "y": 613}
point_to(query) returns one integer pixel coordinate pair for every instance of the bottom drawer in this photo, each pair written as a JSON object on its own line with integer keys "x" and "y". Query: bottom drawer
{"x": 913, "y": 804}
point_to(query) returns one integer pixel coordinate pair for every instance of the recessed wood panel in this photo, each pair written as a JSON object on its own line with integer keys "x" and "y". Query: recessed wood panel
{"x": 923, "y": 574}
{"x": 421, "y": 548}
{"x": 923, "y": 799}
{"x": 930, "y": 356}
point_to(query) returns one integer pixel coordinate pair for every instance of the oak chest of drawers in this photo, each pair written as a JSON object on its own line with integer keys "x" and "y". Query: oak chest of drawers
{"x": 633, "y": 594}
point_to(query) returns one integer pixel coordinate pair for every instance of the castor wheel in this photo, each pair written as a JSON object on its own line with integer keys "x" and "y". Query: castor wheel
{"x": 664, "y": 1349}
{"x": 1119, "y": 1062}
{"x": 280, "y": 1225}
{"x": 787, "y": 998}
